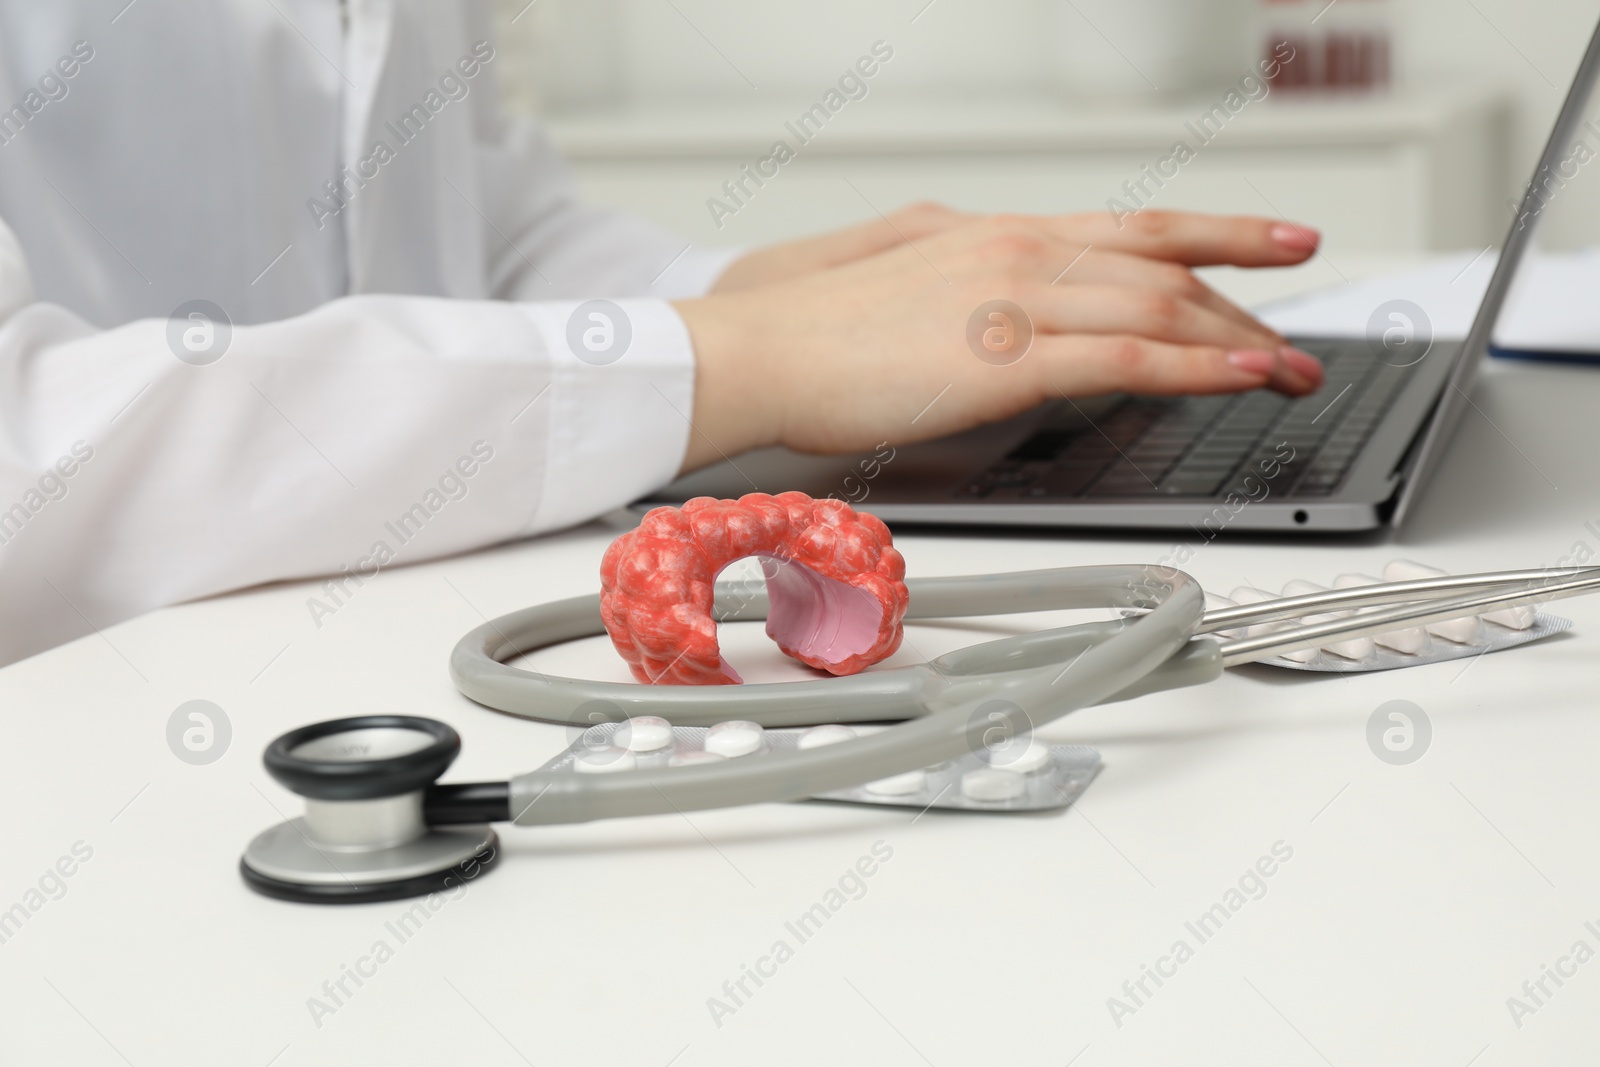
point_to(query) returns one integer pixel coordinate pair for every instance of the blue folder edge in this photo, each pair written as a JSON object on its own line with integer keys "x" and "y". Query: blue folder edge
{"x": 1535, "y": 356}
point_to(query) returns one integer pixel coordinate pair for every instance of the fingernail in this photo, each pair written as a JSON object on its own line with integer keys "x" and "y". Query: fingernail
{"x": 1303, "y": 363}
{"x": 1299, "y": 238}
{"x": 1253, "y": 361}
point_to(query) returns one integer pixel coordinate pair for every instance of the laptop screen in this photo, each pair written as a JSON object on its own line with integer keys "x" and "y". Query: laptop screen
{"x": 1550, "y": 310}
{"x": 1555, "y": 226}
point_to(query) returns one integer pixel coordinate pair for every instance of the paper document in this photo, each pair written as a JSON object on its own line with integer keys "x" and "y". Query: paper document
{"x": 1553, "y": 310}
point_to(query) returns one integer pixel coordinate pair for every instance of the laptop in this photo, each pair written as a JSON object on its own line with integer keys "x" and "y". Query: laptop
{"x": 1353, "y": 456}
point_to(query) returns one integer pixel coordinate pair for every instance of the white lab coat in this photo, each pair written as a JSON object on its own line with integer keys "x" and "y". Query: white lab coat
{"x": 384, "y": 342}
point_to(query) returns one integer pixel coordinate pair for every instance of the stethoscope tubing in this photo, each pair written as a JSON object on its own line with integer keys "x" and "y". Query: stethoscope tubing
{"x": 944, "y": 720}
{"x": 373, "y": 806}
{"x": 478, "y": 667}
{"x": 937, "y": 700}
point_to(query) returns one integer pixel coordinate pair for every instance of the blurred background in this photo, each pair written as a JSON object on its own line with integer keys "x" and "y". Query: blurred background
{"x": 1400, "y": 126}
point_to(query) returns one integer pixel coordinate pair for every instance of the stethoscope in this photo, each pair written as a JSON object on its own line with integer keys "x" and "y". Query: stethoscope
{"x": 379, "y": 826}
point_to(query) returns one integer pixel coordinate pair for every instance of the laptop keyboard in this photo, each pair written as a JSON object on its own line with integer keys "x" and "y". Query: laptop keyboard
{"x": 1206, "y": 446}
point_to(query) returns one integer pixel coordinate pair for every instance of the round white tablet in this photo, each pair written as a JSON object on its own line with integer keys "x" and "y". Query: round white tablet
{"x": 830, "y": 734}
{"x": 604, "y": 761}
{"x": 993, "y": 783}
{"x": 1021, "y": 755}
{"x": 735, "y": 738}
{"x": 644, "y": 733}
{"x": 689, "y": 759}
{"x": 899, "y": 785}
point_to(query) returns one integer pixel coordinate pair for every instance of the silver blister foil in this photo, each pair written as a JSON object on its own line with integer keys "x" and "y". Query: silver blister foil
{"x": 1492, "y": 638}
{"x": 982, "y": 781}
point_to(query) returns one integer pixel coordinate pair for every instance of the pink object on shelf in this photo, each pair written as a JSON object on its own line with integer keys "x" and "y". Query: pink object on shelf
{"x": 1319, "y": 46}
{"x": 835, "y": 584}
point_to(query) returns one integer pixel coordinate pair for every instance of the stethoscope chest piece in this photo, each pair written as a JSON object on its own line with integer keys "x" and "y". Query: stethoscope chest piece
{"x": 364, "y": 836}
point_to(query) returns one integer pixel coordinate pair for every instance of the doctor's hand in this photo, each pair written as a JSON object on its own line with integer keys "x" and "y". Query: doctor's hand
{"x": 1187, "y": 238}
{"x": 842, "y": 358}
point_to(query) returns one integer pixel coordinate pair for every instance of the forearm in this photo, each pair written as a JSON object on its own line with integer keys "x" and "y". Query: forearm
{"x": 734, "y": 408}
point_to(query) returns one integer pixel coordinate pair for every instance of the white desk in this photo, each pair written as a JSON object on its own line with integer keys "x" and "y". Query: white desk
{"x": 1417, "y": 900}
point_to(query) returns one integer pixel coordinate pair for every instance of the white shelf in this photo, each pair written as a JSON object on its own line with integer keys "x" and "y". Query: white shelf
{"x": 690, "y": 128}
{"x": 1406, "y": 172}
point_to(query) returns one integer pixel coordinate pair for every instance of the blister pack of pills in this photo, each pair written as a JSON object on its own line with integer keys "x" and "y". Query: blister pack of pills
{"x": 1413, "y": 646}
{"x": 1023, "y": 774}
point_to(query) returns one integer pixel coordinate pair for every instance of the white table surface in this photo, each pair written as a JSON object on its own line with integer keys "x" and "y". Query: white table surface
{"x": 1417, "y": 900}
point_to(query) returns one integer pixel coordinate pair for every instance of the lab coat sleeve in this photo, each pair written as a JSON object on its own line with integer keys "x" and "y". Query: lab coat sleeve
{"x": 373, "y": 431}
{"x": 551, "y": 245}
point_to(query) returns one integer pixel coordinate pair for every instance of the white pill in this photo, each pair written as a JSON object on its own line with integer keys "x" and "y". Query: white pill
{"x": 1354, "y": 648}
{"x": 1248, "y": 595}
{"x": 1408, "y": 570}
{"x": 1216, "y": 603}
{"x": 735, "y": 738}
{"x": 1518, "y": 618}
{"x": 604, "y": 761}
{"x": 992, "y": 783}
{"x": 1410, "y": 641}
{"x": 830, "y": 734}
{"x": 1021, "y": 755}
{"x": 1465, "y": 631}
{"x": 644, "y": 733}
{"x": 899, "y": 785}
{"x": 1468, "y": 631}
{"x": 690, "y": 759}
